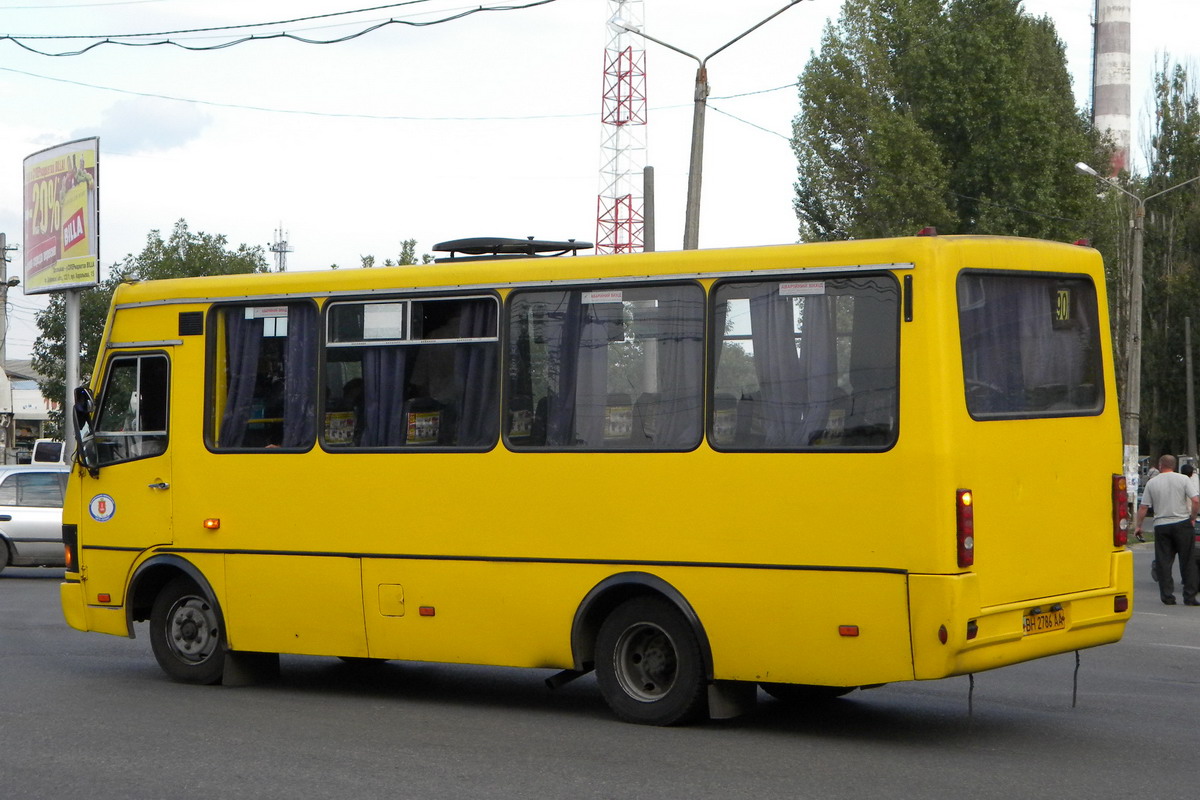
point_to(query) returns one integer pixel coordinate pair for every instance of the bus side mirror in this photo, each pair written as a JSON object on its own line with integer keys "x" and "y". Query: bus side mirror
{"x": 85, "y": 439}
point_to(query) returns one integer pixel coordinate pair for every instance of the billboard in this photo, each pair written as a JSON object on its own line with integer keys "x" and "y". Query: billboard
{"x": 62, "y": 236}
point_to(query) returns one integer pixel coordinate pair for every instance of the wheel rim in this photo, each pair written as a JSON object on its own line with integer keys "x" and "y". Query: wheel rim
{"x": 192, "y": 629}
{"x": 645, "y": 662}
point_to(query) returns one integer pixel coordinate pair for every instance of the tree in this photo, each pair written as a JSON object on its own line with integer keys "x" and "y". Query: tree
{"x": 1171, "y": 259}
{"x": 407, "y": 257}
{"x": 952, "y": 113}
{"x": 183, "y": 255}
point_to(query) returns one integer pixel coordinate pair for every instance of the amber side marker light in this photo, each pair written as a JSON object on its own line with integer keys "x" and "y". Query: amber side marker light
{"x": 212, "y": 524}
{"x": 427, "y": 611}
{"x": 848, "y": 630}
{"x": 104, "y": 598}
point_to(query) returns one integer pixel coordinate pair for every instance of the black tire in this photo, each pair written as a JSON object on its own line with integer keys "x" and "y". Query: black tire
{"x": 649, "y": 664}
{"x": 805, "y": 694}
{"x": 186, "y": 633}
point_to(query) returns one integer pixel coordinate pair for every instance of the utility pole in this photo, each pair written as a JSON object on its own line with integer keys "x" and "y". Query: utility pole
{"x": 8, "y": 429}
{"x": 691, "y": 222}
{"x": 1191, "y": 400}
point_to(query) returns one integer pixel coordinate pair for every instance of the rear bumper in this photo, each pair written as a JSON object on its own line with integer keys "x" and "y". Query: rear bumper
{"x": 1000, "y": 637}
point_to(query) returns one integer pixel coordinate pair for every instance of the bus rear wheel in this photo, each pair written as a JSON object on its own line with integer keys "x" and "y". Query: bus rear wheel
{"x": 186, "y": 633}
{"x": 649, "y": 664}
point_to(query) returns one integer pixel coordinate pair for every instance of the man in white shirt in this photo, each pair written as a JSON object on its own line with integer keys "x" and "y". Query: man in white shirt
{"x": 1175, "y": 502}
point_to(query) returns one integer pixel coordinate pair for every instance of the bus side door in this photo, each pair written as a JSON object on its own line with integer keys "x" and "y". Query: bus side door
{"x": 128, "y": 500}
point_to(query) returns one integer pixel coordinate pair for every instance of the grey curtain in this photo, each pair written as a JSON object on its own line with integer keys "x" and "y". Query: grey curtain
{"x": 243, "y": 343}
{"x": 385, "y": 376}
{"x": 475, "y": 373}
{"x": 300, "y": 376}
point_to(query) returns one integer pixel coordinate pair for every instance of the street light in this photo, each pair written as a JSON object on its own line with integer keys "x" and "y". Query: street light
{"x": 691, "y": 223}
{"x": 1131, "y": 408}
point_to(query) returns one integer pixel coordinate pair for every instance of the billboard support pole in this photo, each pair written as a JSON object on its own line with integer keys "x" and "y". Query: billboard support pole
{"x": 71, "y": 363}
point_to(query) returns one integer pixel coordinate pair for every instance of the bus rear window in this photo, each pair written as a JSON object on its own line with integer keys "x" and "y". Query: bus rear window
{"x": 1030, "y": 345}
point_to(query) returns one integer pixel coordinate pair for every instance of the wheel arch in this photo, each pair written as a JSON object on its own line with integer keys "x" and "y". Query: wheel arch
{"x": 149, "y": 579}
{"x": 610, "y": 593}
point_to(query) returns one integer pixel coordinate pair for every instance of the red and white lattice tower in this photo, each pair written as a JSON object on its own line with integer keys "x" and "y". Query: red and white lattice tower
{"x": 620, "y": 205}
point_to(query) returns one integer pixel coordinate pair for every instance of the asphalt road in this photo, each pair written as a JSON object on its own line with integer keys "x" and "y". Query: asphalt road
{"x": 88, "y": 715}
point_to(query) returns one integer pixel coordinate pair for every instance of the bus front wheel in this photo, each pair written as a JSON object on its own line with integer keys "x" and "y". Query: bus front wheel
{"x": 186, "y": 633}
{"x": 649, "y": 664}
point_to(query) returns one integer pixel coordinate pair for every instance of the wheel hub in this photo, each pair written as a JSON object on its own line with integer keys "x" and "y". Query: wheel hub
{"x": 646, "y": 662}
{"x": 192, "y": 629}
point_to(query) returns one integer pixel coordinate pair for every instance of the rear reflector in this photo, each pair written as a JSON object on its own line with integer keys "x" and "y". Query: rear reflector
{"x": 964, "y": 502}
{"x": 1120, "y": 511}
{"x": 1120, "y": 604}
{"x": 972, "y": 629}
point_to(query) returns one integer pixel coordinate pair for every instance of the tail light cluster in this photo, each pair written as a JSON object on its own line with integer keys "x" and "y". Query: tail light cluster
{"x": 965, "y": 528}
{"x": 1120, "y": 504}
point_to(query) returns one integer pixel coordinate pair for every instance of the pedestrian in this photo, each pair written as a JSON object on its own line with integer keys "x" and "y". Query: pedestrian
{"x": 1175, "y": 502}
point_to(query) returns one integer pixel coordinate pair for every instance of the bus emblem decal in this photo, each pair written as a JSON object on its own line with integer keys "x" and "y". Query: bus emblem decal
{"x": 102, "y": 508}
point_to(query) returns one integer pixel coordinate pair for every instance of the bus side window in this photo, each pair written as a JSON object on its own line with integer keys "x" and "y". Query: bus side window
{"x": 405, "y": 373}
{"x": 264, "y": 392}
{"x": 813, "y": 364}
{"x": 612, "y": 368}
{"x": 132, "y": 420}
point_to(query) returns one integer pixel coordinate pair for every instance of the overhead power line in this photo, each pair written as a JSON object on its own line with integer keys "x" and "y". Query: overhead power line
{"x": 217, "y": 28}
{"x": 384, "y": 117}
{"x": 20, "y": 39}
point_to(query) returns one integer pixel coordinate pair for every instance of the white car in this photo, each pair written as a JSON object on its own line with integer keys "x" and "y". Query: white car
{"x": 31, "y": 498}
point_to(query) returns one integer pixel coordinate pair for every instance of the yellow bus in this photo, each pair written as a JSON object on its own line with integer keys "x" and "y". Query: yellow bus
{"x": 809, "y": 468}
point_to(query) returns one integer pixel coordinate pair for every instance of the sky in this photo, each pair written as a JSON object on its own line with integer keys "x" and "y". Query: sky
{"x": 487, "y": 125}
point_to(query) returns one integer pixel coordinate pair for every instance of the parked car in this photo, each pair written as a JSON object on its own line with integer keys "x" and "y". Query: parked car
{"x": 47, "y": 451}
{"x": 31, "y": 498}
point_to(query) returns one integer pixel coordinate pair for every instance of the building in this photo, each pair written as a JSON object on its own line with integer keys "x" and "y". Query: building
{"x": 24, "y": 412}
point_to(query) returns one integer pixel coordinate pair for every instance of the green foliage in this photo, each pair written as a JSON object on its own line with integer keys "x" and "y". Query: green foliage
{"x": 183, "y": 255}
{"x": 407, "y": 257}
{"x": 952, "y": 113}
{"x": 1171, "y": 260}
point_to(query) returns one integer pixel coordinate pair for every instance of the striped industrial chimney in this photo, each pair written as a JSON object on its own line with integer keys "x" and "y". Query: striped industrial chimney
{"x": 1111, "y": 105}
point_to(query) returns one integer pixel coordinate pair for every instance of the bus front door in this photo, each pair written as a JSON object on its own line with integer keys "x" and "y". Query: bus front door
{"x": 127, "y": 499}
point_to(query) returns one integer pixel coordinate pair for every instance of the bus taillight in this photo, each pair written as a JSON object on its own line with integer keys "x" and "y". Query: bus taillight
{"x": 964, "y": 503}
{"x": 1120, "y": 501}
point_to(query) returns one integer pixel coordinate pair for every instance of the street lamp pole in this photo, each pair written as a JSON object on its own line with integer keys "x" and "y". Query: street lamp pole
{"x": 1131, "y": 407}
{"x": 691, "y": 223}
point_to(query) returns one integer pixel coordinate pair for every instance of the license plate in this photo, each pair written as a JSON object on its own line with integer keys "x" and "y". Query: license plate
{"x": 1039, "y": 621}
